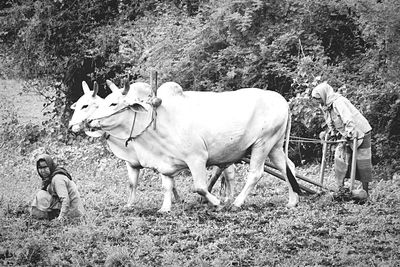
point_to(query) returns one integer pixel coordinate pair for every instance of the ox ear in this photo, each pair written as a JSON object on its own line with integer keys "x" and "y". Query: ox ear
{"x": 85, "y": 87}
{"x": 73, "y": 106}
{"x": 138, "y": 107}
{"x": 112, "y": 86}
{"x": 95, "y": 89}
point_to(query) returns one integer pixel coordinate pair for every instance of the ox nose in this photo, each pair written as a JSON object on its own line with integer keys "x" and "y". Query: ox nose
{"x": 75, "y": 128}
{"x": 92, "y": 124}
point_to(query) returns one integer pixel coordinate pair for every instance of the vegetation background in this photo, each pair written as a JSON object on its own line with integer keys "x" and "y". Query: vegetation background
{"x": 47, "y": 47}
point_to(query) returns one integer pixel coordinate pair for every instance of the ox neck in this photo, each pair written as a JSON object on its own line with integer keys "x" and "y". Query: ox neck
{"x": 130, "y": 136}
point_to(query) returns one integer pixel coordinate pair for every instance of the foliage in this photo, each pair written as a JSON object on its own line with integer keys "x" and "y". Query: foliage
{"x": 215, "y": 46}
{"x": 37, "y": 28}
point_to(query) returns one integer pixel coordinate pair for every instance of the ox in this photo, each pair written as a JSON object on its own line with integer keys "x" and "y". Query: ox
{"x": 89, "y": 102}
{"x": 197, "y": 129}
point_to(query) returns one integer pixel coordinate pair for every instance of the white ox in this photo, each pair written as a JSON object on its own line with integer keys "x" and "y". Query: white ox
{"x": 89, "y": 102}
{"x": 197, "y": 129}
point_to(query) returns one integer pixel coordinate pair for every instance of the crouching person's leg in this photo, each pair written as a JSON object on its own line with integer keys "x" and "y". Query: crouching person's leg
{"x": 39, "y": 214}
{"x": 53, "y": 213}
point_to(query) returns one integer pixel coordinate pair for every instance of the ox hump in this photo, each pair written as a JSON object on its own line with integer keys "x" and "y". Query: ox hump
{"x": 169, "y": 89}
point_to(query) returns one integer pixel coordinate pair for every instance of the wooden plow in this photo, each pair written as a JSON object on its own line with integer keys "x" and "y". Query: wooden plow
{"x": 271, "y": 169}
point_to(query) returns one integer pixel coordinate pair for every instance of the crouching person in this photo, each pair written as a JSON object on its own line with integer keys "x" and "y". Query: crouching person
{"x": 58, "y": 197}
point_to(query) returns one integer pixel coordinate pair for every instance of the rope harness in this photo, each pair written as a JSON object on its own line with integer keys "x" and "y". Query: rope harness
{"x": 130, "y": 137}
{"x": 295, "y": 139}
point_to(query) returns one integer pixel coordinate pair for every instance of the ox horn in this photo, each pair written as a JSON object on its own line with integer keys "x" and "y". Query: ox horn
{"x": 85, "y": 87}
{"x": 95, "y": 89}
{"x": 126, "y": 86}
{"x": 112, "y": 86}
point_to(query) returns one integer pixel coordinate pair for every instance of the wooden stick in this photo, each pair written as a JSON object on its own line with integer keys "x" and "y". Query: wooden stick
{"x": 153, "y": 84}
{"x": 280, "y": 176}
{"x": 301, "y": 177}
{"x": 353, "y": 163}
{"x": 323, "y": 161}
{"x": 298, "y": 176}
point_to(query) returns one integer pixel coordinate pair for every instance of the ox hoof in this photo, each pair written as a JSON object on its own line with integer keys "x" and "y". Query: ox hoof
{"x": 291, "y": 205}
{"x": 164, "y": 211}
{"x": 293, "y": 201}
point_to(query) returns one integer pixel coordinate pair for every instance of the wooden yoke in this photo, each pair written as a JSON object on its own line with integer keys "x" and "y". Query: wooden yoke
{"x": 153, "y": 84}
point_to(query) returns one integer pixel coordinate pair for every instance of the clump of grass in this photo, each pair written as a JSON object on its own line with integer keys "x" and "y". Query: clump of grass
{"x": 35, "y": 252}
{"x": 119, "y": 257}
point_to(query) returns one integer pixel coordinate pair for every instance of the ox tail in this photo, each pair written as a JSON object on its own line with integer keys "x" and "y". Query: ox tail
{"x": 292, "y": 179}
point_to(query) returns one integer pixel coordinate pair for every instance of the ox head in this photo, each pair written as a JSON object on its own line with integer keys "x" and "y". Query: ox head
{"x": 137, "y": 97}
{"x": 86, "y": 105}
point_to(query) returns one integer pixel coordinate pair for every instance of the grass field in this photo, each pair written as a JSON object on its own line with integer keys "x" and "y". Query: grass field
{"x": 25, "y": 104}
{"x": 319, "y": 232}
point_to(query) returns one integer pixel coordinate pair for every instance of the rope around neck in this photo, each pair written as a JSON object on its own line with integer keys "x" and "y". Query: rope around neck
{"x": 130, "y": 137}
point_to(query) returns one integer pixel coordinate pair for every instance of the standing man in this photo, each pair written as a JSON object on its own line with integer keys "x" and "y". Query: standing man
{"x": 343, "y": 118}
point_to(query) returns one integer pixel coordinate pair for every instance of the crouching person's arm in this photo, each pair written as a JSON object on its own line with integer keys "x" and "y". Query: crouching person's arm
{"x": 61, "y": 189}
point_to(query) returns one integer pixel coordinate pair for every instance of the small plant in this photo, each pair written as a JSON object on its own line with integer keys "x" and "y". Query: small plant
{"x": 34, "y": 253}
{"x": 119, "y": 257}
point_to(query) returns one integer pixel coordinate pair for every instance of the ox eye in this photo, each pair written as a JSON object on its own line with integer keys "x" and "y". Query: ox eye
{"x": 113, "y": 104}
{"x": 84, "y": 106}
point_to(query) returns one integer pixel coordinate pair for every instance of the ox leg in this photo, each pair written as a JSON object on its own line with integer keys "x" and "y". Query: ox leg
{"x": 168, "y": 186}
{"x": 199, "y": 173}
{"x": 175, "y": 192}
{"x": 279, "y": 159}
{"x": 215, "y": 174}
{"x": 256, "y": 169}
{"x": 229, "y": 174}
{"x": 133, "y": 175}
